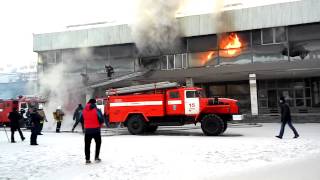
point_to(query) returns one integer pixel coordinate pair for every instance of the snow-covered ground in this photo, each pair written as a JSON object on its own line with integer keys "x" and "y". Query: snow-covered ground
{"x": 243, "y": 152}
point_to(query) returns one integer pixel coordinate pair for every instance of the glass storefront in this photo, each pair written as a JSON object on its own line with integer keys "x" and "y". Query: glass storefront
{"x": 299, "y": 93}
{"x": 302, "y": 95}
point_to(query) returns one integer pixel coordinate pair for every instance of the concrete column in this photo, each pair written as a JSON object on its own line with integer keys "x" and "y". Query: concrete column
{"x": 253, "y": 94}
{"x": 189, "y": 82}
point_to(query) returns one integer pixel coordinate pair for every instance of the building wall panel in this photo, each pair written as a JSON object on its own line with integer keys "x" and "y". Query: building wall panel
{"x": 284, "y": 14}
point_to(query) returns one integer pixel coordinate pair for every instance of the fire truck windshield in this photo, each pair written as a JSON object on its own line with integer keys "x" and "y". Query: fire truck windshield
{"x": 192, "y": 94}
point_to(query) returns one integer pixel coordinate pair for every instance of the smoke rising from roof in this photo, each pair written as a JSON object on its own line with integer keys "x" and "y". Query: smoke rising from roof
{"x": 156, "y": 29}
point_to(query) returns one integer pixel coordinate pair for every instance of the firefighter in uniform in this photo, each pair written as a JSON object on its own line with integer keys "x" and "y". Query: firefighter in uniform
{"x": 58, "y": 116}
{"x": 44, "y": 118}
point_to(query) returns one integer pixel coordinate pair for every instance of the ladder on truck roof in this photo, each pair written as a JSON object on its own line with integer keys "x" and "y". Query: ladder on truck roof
{"x": 143, "y": 87}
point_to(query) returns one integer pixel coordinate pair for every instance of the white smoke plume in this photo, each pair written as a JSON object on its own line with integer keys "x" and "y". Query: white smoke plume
{"x": 156, "y": 29}
{"x": 60, "y": 89}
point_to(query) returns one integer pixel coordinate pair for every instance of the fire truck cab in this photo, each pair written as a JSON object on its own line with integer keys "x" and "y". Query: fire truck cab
{"x": 143, "y": 108}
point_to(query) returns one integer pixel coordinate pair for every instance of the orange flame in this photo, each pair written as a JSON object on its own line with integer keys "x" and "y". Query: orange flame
{"x": 205, "y": 57}
{"x": 230, "y": 45}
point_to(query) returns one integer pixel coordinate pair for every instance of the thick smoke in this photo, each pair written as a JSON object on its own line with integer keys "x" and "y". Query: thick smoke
{"x": 156, "y": 29}
{"x": 60, "y": 89}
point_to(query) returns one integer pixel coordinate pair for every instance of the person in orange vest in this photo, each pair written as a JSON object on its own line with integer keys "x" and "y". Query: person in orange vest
{"x": 93, "y": 119}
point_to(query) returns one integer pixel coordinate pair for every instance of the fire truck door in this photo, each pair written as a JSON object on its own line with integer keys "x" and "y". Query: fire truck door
{"x": 174, "y": 103}
{"x": 192, "y": 104}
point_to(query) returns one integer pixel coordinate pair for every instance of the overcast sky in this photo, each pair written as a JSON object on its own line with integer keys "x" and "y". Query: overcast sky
{"x": 21, "y": 18}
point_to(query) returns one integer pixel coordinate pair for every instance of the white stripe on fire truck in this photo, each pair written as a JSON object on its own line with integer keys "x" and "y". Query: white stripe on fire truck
{"x": 174, "y": 102}
{"x": 141, "y": 103}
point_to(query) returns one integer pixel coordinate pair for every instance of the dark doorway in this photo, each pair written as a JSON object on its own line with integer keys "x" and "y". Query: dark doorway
{"x": 272, "y": 98}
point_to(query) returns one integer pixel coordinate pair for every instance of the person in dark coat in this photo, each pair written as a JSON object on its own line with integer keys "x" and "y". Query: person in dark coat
{"x": 14, "y": 118}
{"x": 286, "y": 119}
{"x": 35, "y": 126}
{"x": 77, "y": 117}
{"x": 92, "y": 119}
{"x": 109, "y": 70}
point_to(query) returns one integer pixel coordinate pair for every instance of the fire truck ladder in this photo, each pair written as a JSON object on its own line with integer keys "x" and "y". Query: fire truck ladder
{"x": 140, "y": 88}
{"x": 117, "y": 79}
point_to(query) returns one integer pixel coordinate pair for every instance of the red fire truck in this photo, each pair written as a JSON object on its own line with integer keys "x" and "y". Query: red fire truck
{"x": 22, "y": 103}
{"x": 143, "y": 108}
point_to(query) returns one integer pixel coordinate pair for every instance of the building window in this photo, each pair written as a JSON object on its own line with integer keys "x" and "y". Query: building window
{"x": 235, "y": 48}
{"x": 175, "y": 61}
{"x": 151, "y": 62}
{"x": 217, "y": 90}
{"x": 170, "y": 61}
{"x": 267, "y": 36}
{"x": 202, "y": 43}
{"x": 304, "y": 42}
{"x": 274, "y": 35}
{"x": 297, "y": 93}
{"x": 316, "y": 93}
{"x": 280, "y": 34}
{"x": 201, "y": 59}
{"x": 164, "y": 63}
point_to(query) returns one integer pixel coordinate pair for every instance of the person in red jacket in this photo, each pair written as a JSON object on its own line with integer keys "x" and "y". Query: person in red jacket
{"x": 93, "y": 119}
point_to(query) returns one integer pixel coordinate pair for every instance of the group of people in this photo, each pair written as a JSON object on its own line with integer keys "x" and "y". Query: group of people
{"x": 36, "y": 117}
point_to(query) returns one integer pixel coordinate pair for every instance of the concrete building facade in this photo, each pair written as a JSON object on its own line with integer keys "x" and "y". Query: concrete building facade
{"x": 278, "y": 55}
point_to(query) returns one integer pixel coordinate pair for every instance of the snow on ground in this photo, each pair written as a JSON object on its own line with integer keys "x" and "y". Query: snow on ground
{"x": 243, "y": 152}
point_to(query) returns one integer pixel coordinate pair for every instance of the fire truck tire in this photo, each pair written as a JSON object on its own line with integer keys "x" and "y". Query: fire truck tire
{"x": 212, "y": 125}
{"x": 225, "y": 126}
{"x": 136, "y": 124}
{"x": 151, "y": 129}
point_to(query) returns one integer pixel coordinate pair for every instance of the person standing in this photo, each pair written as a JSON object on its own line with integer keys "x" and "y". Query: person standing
{"x": 58, "y": 116}
{"x": 14, "y": 118}
{"x": 44, "y": 118}
{"x": 35, "y": 126}
{"x": 92, "y": 119}
{"x": 286, "y": 119}
{"x": 77, "y": 117}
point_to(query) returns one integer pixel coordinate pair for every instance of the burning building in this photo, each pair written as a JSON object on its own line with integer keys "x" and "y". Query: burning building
{"x": 262, "y": 54}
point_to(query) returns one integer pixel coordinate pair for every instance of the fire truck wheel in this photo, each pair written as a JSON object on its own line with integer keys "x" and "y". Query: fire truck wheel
{"x": 225, "y": 125}
{"x": 212, "y": 125}
{"x": 136, "y": 124}
{"x": 151, "y": 129}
